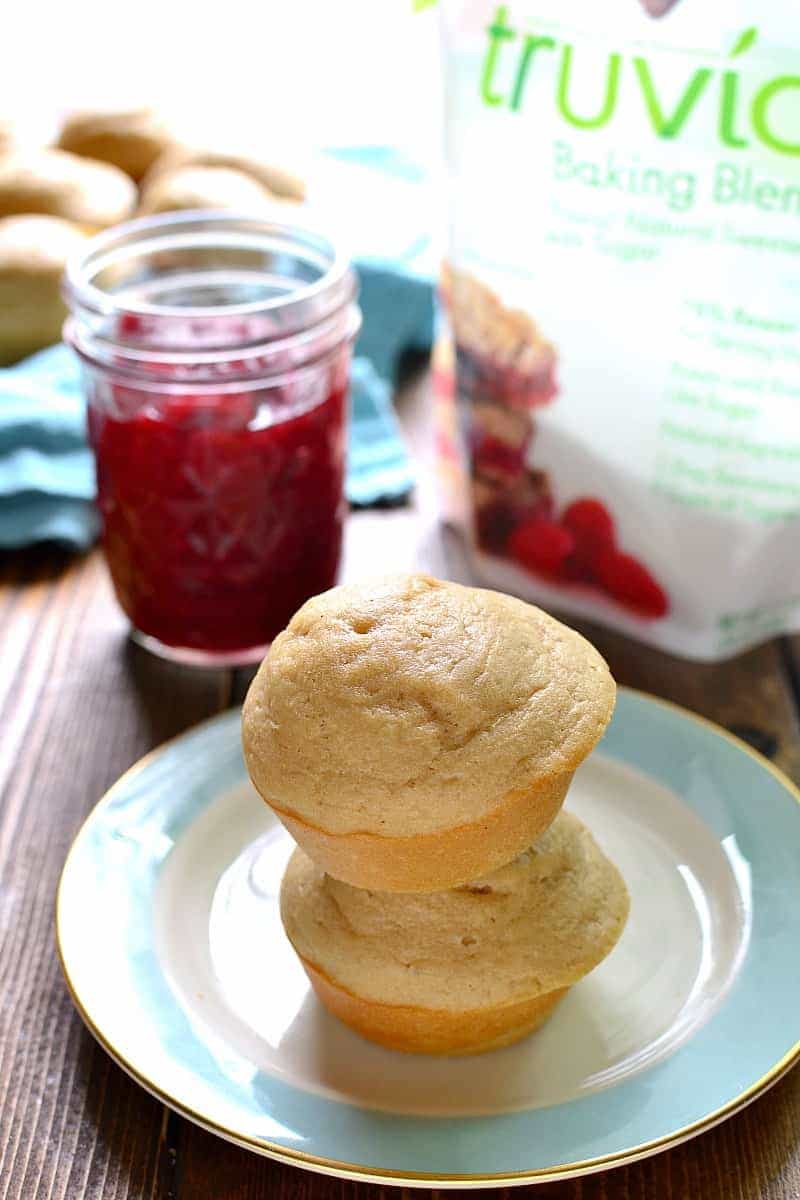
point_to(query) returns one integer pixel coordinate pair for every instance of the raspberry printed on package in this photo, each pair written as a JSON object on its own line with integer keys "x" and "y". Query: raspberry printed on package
{"x": 620, "y": 400}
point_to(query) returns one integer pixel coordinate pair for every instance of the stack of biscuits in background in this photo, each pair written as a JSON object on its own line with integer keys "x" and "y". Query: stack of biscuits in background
{"x": 103, "y": 168}
{"x": 417, "y": 739}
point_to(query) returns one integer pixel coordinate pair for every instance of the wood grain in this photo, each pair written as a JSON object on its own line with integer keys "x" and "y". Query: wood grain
{"x": 78, "y": 704}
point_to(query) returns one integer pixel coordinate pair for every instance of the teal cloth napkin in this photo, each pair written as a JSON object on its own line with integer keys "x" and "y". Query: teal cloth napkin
{"x": 47, "y": 483}
{"x": 46, "y": 469}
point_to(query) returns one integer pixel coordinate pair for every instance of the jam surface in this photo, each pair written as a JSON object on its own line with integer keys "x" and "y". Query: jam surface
{"x": 221, "y": 514}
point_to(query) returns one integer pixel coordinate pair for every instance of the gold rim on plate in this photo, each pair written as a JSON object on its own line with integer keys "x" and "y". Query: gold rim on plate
{"x": 354, "y": 1171}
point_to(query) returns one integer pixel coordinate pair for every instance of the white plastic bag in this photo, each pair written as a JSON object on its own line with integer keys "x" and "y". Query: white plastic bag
{"x": 624, "y": 294}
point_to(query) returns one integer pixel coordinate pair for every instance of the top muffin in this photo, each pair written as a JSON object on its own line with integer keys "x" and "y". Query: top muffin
{"x": 408, "y": 706}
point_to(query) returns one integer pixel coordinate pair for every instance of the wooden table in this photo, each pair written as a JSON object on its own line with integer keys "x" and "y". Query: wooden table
{"x": 78, "y": 704}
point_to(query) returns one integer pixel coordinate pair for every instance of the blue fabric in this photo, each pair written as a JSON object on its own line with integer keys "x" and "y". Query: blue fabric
{"x": 378, "y": 466}
{"x": 46, "y": 469}
{"x": 398, "y": 314}
{"x": 47, "y": 484}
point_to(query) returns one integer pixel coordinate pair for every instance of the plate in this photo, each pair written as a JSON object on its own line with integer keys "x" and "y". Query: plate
{"x": 171, "y": 945}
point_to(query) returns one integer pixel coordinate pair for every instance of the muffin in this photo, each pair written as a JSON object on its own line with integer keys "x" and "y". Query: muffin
{"x": 33, "y": 253}
{"x": 413, "y": 734}
{"x": 279, "y": 181}
{"x": 91, "y": 194}
{"x": 204, "y": 187}
{"x": 465, "y": 970}
{"x": 131, "y": 139}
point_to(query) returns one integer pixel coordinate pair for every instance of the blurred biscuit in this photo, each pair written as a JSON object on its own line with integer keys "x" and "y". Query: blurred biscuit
{"x": 131, "y": 139}
{"x": 33, "y": 253}
{"x": 278, "y": 180}
{"x": 7, "y": 137}
{"x": 92, "y": 194}
{"x": 204, "y": 187}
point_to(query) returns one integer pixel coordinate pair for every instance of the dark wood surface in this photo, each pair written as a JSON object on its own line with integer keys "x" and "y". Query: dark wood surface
{"x": 79, "y": 704}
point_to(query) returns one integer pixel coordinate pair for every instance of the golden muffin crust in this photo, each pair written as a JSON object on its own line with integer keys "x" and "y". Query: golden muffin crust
{"x": 92, "y": 194}
{"x": 434, "y": 1031}
{"x": 409, "y": 706}
{"x": 131, "y": 139}
{"x": 534, "y": 927}
{"x": 425, "y": 862}
{"x": 33, "y": 253}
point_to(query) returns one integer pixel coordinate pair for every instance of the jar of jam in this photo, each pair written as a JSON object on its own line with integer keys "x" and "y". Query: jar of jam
{"x": 216, "y": 352}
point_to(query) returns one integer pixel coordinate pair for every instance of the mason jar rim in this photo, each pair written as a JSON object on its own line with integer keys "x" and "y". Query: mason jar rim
{"x": 132, "y": 363}
{"x": 125, "y": 376}
{"x": 206, "y": 228}
{"x": 305, "y": 306}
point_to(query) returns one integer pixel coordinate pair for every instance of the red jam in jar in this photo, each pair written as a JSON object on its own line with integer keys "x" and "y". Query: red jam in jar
{"x": 217, "y": 369}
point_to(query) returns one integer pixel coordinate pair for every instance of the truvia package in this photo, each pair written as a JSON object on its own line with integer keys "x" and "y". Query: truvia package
{"x": 623, "y": 296}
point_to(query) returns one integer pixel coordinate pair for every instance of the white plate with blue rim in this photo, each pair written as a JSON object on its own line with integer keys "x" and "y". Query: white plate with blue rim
{"x": 172, "y": 947}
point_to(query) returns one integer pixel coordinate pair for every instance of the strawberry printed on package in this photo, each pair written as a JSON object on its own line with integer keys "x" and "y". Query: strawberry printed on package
{"x": 623, "y": 295}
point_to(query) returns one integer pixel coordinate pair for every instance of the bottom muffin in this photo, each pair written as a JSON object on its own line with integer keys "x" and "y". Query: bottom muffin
{"x": 464, "y": 970}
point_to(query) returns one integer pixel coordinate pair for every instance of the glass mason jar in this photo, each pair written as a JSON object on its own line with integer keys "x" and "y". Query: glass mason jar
{"x": 216, "y": 353}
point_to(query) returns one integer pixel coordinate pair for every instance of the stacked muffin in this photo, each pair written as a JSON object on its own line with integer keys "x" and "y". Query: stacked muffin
{"x": 417, "y": 739}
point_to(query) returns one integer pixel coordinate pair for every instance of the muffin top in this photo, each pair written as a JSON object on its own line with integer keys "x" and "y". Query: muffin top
{"x": 408, "y": 705}
{"x": 538, "y": 924}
